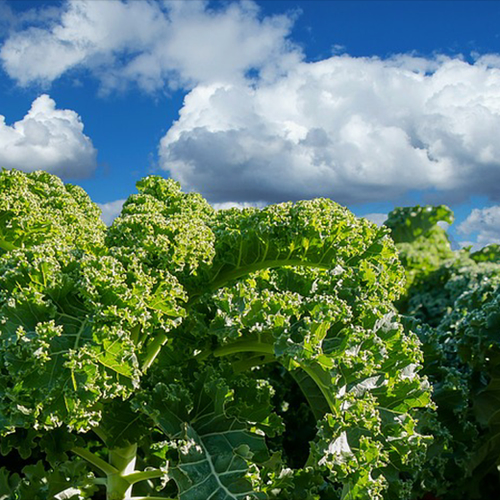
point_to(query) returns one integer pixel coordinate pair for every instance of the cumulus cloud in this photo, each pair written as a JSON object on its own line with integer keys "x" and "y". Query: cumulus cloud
{"x": 484, "y": 224}
{"x": 110, "y": 211}
{"x": 352, "y": 129}
{"x": 48, "y": 139}
{"x": 262, "y": 125}
{"x": 152, "y": 43}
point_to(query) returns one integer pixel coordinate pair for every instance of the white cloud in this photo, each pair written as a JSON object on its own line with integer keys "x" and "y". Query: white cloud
{"x": 353, "y": 129}
{"x": 110, "y": 210}
{"x": 484, "y": 223}
{"x": 260, "y": 124}
{"x": 151, "y": 43}
{"x": 48, "y": 139}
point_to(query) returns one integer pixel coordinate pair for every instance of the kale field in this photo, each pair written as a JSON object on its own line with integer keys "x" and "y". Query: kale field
{"x": 293, "y": 352}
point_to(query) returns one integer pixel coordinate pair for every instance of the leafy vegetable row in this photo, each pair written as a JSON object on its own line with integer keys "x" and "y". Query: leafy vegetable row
{"x": 453, "y": 300}
{"x": 194, "y": 354}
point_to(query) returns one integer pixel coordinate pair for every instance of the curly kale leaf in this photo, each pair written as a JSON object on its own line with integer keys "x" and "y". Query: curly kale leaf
{"x": 172, "y": 321}
{"x": 163, "y": 228}
{"x": 317, "y": 233}
{"x": 322, "y": 309}
{"x": 407, "y": 224}
{"x": 67, "y": 331}
{"x": 489, "y": 253}
{"x": 213, "y": 448}
{"x": 454, "y": 296}
{"x": 422, "y": 245}
{"x": 38, "y": 207}
{"x": 462, "y": 362}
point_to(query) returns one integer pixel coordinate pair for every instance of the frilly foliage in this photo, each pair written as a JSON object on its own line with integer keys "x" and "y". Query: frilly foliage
{"x": 175, "y": 350}
{"x": 38, "y": 208}
{"x": 454, "y": 300}
{"x": 422, "y": 244}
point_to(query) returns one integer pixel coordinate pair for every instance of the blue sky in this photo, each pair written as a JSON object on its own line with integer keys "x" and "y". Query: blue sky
{"x": 374, "y": 104}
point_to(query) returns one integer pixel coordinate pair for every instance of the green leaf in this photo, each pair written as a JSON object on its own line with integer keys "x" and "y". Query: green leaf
{"x": 164, "y": 228}
{"x": 8, "y": 484}
{"x": 317, "y": 233}
{"x": 38, "y": 207}
{"x": 213, "y": 464}
{"x": 409, "y": 223}
{"x": 489, "y": 253}
{"x": 122, "y": 426}
{"x": 71, "y": 481}
{"x": 214, "y": 449}
{"x": 180, "y": 323}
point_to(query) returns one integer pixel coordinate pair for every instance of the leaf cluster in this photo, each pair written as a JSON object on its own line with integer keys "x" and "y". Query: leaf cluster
{"x": 176, "y": 352}
{"x": 454, "y": 306}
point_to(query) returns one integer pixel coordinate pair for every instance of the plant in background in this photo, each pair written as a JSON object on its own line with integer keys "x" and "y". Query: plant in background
{"x": 456, "y": 298}
{"x": 423, "y": 245}
{"x": 190, "y": 354}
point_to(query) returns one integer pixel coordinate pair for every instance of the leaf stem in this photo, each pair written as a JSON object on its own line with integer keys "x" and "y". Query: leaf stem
{"x": 239, "y": 272}
{"x": 5, "y": 245}
{"x": 123, "y": 459}
{"x": 313, "y": 373}
{"x": 245, "y": 346}
{"x": 316, "y": 373}
{"x": 95, "y": 460}
{"x": 135, "y": 477}
{"x": 135, "y": 333}
{"x": 100, "y": 434}
{"x": 153, "y": 349}
{"x": 263, "y": 264}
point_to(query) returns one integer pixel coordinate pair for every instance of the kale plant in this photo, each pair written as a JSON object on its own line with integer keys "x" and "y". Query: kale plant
{"x": 192, "y": 354}
{"x": 456, "y": 298}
